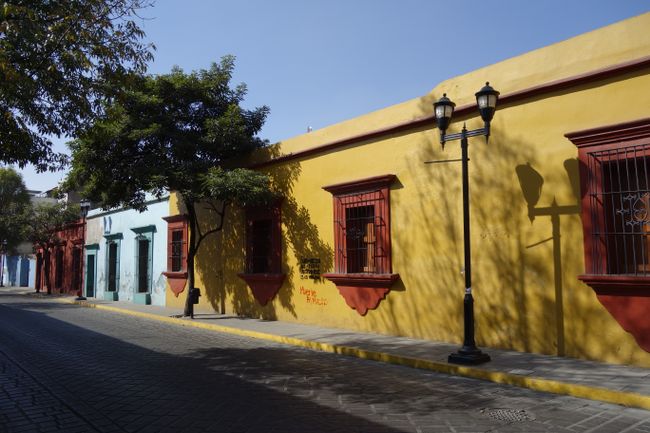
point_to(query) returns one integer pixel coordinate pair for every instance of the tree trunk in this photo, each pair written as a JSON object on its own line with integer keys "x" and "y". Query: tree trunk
{"x": 46, "y": 256}
{"x": 191, "y": 252}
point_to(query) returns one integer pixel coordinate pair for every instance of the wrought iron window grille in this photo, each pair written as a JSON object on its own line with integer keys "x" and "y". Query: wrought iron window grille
{"x": 619, "y": 204}
{"x": 362, "y": 232}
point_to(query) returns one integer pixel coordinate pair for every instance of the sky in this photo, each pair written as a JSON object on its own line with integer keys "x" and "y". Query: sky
{"x": 319, "y": 62}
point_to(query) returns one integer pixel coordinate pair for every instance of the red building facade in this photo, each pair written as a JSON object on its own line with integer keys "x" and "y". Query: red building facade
{"x": 60, "y": 265}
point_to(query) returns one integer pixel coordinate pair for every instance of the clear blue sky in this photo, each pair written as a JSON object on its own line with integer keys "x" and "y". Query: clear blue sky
{"x": 318, "y": 62}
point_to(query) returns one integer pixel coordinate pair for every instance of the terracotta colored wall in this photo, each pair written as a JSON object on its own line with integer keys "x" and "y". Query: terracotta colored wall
{"x": 71, "y": 239}
{"x": 526, "y": 253}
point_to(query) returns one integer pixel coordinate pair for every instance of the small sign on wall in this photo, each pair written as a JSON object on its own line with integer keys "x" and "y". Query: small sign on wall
{"x": 310, "y": 269}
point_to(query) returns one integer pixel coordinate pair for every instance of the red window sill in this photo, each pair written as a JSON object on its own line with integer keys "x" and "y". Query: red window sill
{"x": 623, "y": 285}
{"x": 627, "y": 299}
{"x": 170, "y": 274}
{"x": 263, "y": 286}
{"x": 363, "y": 280}
{"x": 176, "y": 281}
{"x": 363, "y": 292}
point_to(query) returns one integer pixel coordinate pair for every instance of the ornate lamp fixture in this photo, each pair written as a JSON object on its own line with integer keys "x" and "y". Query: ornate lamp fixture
{"x": 486, "y": 99}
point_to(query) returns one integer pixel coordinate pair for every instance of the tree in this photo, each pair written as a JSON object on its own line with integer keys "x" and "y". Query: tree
{"x": 175, "y": 132}
{"x": 59, "y": 62}
{"x": 14, "y": 207}
{"x": 46, "y": 220}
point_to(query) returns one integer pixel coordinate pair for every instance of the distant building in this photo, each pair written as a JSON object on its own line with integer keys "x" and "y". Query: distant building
{"x": 20, "y": 268}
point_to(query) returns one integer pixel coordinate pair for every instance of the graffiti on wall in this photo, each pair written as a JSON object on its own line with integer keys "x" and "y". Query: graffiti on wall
{"x": 312, "y": 297}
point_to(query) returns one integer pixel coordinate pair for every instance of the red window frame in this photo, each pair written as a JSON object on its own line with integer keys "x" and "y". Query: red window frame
{"x": 177, "y": 223}
{"x": 177, "y": 279}
{"x": 258, "y": 214}
{"x": 611, "y": 138}
{"x": 347, "y": 198}
{"x": 266, "y": 285}
{"x": 363, "y": 290}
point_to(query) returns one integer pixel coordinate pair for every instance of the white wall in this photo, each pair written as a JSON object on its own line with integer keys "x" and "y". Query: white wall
{"x": 101, "y": 224}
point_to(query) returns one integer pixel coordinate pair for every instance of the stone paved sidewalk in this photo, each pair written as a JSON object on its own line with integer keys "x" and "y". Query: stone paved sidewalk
{"x": 625, "y": 385}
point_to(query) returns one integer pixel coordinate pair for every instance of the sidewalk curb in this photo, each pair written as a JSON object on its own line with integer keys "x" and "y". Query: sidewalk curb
{"x": 537, "y": 384}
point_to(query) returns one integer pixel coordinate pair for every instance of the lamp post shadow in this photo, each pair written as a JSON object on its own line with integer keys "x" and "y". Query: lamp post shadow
{"x": 531, "y": 183}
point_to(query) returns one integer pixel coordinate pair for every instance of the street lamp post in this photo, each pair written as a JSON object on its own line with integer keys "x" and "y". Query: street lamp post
{"x": 3, "y": 253}
{"x": 486, "y": 98}
{"x": 84, "y": 207}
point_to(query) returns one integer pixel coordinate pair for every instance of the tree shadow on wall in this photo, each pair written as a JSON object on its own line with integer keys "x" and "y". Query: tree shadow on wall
{"x": 519, "y": 296}
{"x": 223, "y": 257}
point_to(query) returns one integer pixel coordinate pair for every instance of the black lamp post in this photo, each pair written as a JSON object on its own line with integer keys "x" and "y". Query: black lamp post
{"x": 84, "y": 206}
{"x": 486, "y": 99}
{"x": 3, "y": 252}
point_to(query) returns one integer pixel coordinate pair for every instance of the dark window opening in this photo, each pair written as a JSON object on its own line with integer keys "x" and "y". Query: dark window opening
{"x": 619, "y": 210}
{"x": 58, "y": 274}
{"x": 90, "y": 275}
{"x": 261, "y": 246}
{"x": 360, "y": 239}
{"x": 177, "y": 250}
{"x": 112, "y": 267}
{"x": 143, "y": 265}
{"x": 76, "y": 269}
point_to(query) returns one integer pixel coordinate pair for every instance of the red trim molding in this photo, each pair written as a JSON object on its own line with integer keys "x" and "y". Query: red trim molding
{"x": 363, "y": 292}
{"x": 429, "y": 120}
{"x": 611, "y": 134}
{"x": 362, "y": 185}
{"x": 263, "y": 286}
{"x": 176, "y": 218}
{"x": 618, "y": 284}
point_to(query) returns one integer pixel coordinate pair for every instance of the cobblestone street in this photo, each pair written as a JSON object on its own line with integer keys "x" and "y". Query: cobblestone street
{"x": 72, "y": 369}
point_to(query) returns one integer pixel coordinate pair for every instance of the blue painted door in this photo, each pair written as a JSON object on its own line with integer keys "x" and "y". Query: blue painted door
{"x": 24, "y": 272}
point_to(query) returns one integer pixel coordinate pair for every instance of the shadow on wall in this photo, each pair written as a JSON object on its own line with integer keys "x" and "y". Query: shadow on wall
{"x": 517, "y": 265}
{"x": 222, "y": 257}
{"x": 526, "y": 248}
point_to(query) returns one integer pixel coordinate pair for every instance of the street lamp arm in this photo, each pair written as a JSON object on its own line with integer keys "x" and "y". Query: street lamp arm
{"x": 473, "y": 133}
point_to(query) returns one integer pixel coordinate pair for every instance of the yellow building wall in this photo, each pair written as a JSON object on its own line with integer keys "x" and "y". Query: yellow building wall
{"x": 527, "y": 296}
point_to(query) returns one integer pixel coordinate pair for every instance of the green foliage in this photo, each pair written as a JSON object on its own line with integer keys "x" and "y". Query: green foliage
{"x": 59, "y": 62}
{"x": 240, "y": 186}
{"x": 165, "y": 133}
{"x": 14, "y": 207}
{"x": 173, "y": 132}
{"x": 46, "y": 219}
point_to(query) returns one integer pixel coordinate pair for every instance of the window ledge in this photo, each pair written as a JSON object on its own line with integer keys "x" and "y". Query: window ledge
{"x": 363, "y": 292}
{"x": 363, "y": 280}
{"x": 627, "y": 299}
{"x": 176, "y": 281}
{"x": 622, "y": 285}
{"x": 179, "y": 274}
{"x": 263, "y": 286}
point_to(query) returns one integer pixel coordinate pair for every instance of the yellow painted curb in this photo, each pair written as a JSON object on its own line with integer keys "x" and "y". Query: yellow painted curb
{"x": 537, "y": 384}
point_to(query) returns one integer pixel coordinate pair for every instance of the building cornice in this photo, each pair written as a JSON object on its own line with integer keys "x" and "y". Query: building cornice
{"x": 509, "y": 98}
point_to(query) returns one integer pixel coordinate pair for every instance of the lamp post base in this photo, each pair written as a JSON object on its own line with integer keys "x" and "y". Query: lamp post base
{"x": 468, "y": 356}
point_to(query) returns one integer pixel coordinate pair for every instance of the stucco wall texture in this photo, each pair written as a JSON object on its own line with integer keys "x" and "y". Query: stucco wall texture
{"x": 527, "y": 295}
